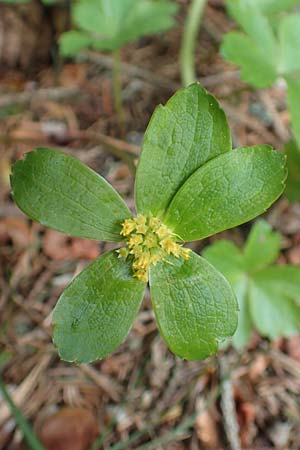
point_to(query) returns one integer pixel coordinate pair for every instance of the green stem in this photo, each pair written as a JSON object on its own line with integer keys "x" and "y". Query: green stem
{"x": 189, "y": 39}
{"x": 30, "y": 437}
{"x": 117, "y": 87}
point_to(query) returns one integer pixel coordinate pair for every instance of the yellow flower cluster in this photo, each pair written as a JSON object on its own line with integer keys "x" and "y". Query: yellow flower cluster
{"x": 148, "y": 242}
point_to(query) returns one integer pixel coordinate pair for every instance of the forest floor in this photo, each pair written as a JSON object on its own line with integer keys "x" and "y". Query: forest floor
{"x": 142, "y": 396}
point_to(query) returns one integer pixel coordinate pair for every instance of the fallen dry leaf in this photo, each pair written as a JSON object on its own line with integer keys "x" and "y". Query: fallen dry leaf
{"x": 293, "y": 347}
{"x": 17, "y": 229}
{"x": 69, "y": 429}
{"x": 59, "y": 247}
{"x": 207, "y": 431}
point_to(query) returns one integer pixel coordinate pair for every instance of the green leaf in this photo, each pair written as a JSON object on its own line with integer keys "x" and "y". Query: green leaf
{"x": 273, "y": 312}
{"x": 227, "y": 191}
{"x": 289, "y": 41}
{"x": 255, "y": 25}
{"x": 274, "y": 6}
{"x": 225, "y": 256}
{"x": 292, "y": 190}
{"x": 261, "y": 237}
{"x": 114, "y": 23}
{"x": 71, "y": 42}
{"x": 243, "y": 332}
{"x": 96, "y": 311}
{"x": 283, "y": 279}
{"x": 60, "y": 192}
{"x": 181, "y": 136}
{"x": 293, "y": 97}
{"x": 194, "y": 306}
{"x": 257, "y": 67}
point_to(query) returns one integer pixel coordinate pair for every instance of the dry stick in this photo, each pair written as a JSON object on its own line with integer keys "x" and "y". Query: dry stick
{"x": 117, "y": 88}
{"x": 148, "y": 76}
{"x": 23, "y": 391}
{"x": 55, "y": 94}
{"x": 110, "y": 387}
{"x": 281, "y": 131}
{"x": 131, "y": 70}
{"x": 228, "y": 405}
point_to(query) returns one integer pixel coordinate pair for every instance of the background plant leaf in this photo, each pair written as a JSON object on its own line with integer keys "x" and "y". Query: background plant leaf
{"x": 96, "y": 311}
{"x": 249, "y": 16}
{"x": 60, "y": 192}
{"x": 274, "y": 314}
{"x": 256, "y": 66}
{"x": 293, "y": 98}
{"x": 181, "y": 136}
{"x": 194, "y": 306}
{"x": 261, "y": 236}
{"x": 268, "y": 296}
{"x": 227, "y": 191}
{"x": 268, "y": 7}
{"x": 243, "y": 332}
{"x": 114, "y": 23}
{"x": 71, "y": 42}
{"x": 226, "y": 257}
{"x": 289, "y": 39}
{"x": 284, "y": 279}
{"x": 292, "y": 190}
{"x": 232, "y": 266}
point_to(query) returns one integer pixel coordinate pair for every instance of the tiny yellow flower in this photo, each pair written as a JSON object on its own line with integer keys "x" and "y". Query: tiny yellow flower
{"x": 163, "y": 231}
{"x": 148, "y": 242}
{"x": 134, "y": 240}
{"x": 123, "y": 252}
{"x": 128, "y": 227}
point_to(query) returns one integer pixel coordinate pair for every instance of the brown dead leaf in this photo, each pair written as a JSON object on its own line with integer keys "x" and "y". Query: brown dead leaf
{"x": 69, "y": 429}
{"x": 293, "y": 255}
{"x": 17, "y": 229}
{"x": 207, "y": 431}
{"x": 60, "y": 247}
{"x": 293, "y": 347}
{"x": 258, "y": 366}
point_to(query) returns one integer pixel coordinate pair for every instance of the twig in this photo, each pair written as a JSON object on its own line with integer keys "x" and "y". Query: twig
{"x": 55, "y": 94}
{"x": 22, "y": 392}
{"x": 228, "y": 406}
{"x": 281, "y": 131}
{"x": 129, "y": 69}
{"x": 111, "y": 388}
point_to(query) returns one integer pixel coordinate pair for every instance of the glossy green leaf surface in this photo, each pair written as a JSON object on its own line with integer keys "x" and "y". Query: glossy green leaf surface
{"x": 114, "y": 23}
{"x": 292, "y": 190}
{"x": 261, "y": 236}
{"x": 194, "y": 306}
{"x": 60, "y": 192}
{"x": 245, "y": 53}
{"x": 181, "y": 136}
{"x": 268, "y": 296}
{"x": 96, "y": 311}
{"x": 227, "y": 191}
